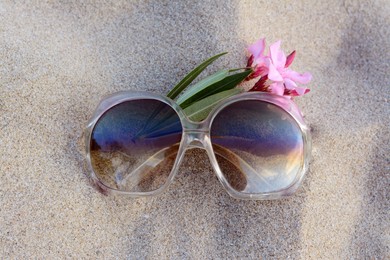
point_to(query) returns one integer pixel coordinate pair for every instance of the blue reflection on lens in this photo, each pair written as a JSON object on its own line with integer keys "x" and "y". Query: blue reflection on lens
{"x": 257, "y": 127}
{"x": 136, "y": 126}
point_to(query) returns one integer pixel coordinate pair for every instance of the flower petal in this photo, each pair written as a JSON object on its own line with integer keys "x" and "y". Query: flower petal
{"x": 261, "y": 61}
{"x": 250, "y": 61}
{"x": 257, "y": 48}
{"x": 297, "y": 77}
{"x": 299, "y": 91}
{"x": 260, "y": 85}
{"x": 259, "y": 71}
{"x": 277, "y": 88}
{"x": 290, "y": 85}
{"x": 273, "y": 73}
{"x": 277, "y": 55}
{"x": 290, "y": 58}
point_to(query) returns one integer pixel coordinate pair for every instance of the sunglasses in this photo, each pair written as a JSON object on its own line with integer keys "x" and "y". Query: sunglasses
{"x": 257, "y": 143}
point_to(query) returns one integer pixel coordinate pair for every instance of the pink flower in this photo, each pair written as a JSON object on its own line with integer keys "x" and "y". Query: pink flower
{"x": 257, "y": 59}
{"x": 284, "y": 79}
{"x": 257, "y": 50}
{"x": 275, "y": 76}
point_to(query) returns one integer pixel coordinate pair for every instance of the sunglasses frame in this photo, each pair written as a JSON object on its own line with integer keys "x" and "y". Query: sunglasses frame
{"x": 197, "y": 135}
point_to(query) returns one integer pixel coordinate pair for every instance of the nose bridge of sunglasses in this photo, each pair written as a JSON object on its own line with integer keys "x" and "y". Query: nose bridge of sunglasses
{"x": 196, "y": 133}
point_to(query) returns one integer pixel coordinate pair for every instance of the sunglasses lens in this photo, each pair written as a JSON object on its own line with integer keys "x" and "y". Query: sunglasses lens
{"x": 259, "y": 146}
{"x": 134, "y": 145}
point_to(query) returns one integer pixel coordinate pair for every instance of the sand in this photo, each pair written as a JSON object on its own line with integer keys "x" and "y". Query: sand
{"x": 58, "y": 59}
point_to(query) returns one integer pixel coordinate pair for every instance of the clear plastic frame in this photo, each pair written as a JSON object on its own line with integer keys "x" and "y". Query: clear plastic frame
{"x": 255, "y": 182}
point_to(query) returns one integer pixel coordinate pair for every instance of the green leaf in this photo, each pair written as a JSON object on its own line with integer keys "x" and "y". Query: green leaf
{"x": 191, "y": 76}
{"x": 200, "y": 109}
{"x": 203, "y": 84}
{"x": 222, "y": 85}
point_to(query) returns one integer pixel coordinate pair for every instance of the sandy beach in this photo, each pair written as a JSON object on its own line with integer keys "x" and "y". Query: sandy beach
{"x": 57, "y": 60}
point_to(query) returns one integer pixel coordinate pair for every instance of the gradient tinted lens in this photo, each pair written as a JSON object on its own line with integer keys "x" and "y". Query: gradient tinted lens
{"x": 134, "y": 145}
{"x": 259, "y": 146}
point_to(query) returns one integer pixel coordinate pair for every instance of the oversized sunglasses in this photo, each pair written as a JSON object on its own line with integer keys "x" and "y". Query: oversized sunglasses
{"x": 257, "y": 143}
